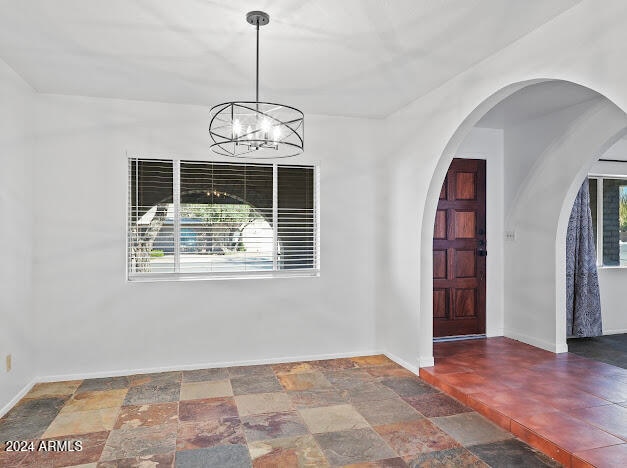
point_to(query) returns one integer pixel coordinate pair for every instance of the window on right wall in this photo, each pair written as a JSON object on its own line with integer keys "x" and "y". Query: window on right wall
{"x": 608, "y": 204}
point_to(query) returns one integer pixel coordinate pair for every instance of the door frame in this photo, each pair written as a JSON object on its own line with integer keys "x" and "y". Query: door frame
{"x": 482, "y": 315}
{"x": 476, "y": 143}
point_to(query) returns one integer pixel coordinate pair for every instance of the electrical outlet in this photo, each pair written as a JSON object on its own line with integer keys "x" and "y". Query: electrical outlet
{"x": 8, "y": 362}
{"x": 510, "y": 236}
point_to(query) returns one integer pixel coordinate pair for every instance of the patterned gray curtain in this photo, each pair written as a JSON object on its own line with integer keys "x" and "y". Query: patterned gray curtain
{"x": 583, "y": 302}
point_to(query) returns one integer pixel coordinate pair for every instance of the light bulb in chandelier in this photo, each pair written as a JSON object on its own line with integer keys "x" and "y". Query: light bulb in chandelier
{"x": 265, "y": 128}
{"x": 237, "y": 128}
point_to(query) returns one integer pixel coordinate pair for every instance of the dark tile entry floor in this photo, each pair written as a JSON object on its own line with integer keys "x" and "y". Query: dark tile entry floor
{"x": 611, "y": 349}
{"x": 361, "y": 412}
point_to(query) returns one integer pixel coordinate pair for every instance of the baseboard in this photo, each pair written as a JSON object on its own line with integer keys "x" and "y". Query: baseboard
{"x": 402, "y": 362}
{"x": 204, "y": 365}
{"x": 426, "y": 361}
{"x": 617, "y": 331}
{"x": 494, "y": 333}
{"x": 561, "y": 348}
{"x": 552, "y": 347}
{"x": 5, "y": 409}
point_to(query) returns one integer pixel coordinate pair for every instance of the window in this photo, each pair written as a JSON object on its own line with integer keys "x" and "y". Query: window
{"x": 608, "y": 204}
{"x": 192, "y": 219}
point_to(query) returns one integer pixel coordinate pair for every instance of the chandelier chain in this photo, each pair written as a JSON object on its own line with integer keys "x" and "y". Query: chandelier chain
{"x": 257, "y": 76}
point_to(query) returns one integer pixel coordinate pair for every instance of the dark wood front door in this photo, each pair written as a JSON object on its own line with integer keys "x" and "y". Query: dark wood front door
{"x": 459, "y": 251}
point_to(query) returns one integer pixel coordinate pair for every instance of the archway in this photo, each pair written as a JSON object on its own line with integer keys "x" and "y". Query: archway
{"x": 534, "y": 271}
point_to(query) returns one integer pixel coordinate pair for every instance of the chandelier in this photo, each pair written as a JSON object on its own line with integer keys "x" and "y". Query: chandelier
{"x": 256, "y": 129}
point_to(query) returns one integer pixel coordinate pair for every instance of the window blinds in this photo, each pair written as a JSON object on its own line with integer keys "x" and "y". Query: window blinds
{"x": 189, "y": 219}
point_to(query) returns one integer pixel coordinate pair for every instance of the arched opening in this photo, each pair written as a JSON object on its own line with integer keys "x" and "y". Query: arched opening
{"x": 552, "y": 132}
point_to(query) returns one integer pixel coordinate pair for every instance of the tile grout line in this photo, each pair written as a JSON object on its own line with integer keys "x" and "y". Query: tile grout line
{"x": 467, "y": 396}
{"x": 471, "y": 401}
{"x": 297, "y": 410}
{"x": 598, "y": 427}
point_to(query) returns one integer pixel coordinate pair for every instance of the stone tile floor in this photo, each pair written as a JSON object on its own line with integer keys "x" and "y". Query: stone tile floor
{"x": 570, "y": 407}
{"x": 364, "y": 412}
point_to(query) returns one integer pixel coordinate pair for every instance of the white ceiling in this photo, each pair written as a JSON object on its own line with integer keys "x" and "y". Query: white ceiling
{"x": 340, "y": 57}
{"x": 536, "y": 101}
{"x": 618, "y": 151}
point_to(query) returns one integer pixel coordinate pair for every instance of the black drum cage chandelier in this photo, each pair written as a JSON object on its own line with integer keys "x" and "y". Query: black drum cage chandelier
{"x": 255, "y": 129}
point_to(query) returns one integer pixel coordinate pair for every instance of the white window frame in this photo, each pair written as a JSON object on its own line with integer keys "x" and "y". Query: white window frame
{"x": 262, "y": 274}
{"x": 600, "y": 177}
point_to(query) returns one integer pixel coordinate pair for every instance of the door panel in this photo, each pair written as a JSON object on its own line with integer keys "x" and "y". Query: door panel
{"x": 465, "y": 224}
{"x": 439, "y": 264}
{"x": 465, "y": 186}
{"x": 465, "y": 302}
{"x": 439, "y": 230}
{"x": 465, "y": 264}
{"x": 440, "y": 303}
{"x": 459, "y": 246}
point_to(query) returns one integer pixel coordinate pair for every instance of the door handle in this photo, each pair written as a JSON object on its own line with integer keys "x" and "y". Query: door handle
{"x": 482, "y": 253}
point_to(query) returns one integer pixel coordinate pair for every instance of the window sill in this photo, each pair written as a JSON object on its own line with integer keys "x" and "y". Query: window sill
{"x": 158, "y": 277}
{"x": 611, "y": 267}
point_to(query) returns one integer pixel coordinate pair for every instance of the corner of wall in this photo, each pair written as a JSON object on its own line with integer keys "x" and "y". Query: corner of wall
{"x": 16, "y": 115}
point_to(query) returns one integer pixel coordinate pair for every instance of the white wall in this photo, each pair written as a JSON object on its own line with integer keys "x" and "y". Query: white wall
{"x": 583, "y": 45}
{"x": 612, "y": 280}
{"x": 535, "y": 288}
{"x": 617, "y": 151}
{"x": 89, "y": 320}
{"x": 15, "y": 234}
{"x": 613, "y": 305}
{"x": 536, "y": 182}
{"x": 527, "y": 146}
{"x": 526, "y": 143}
